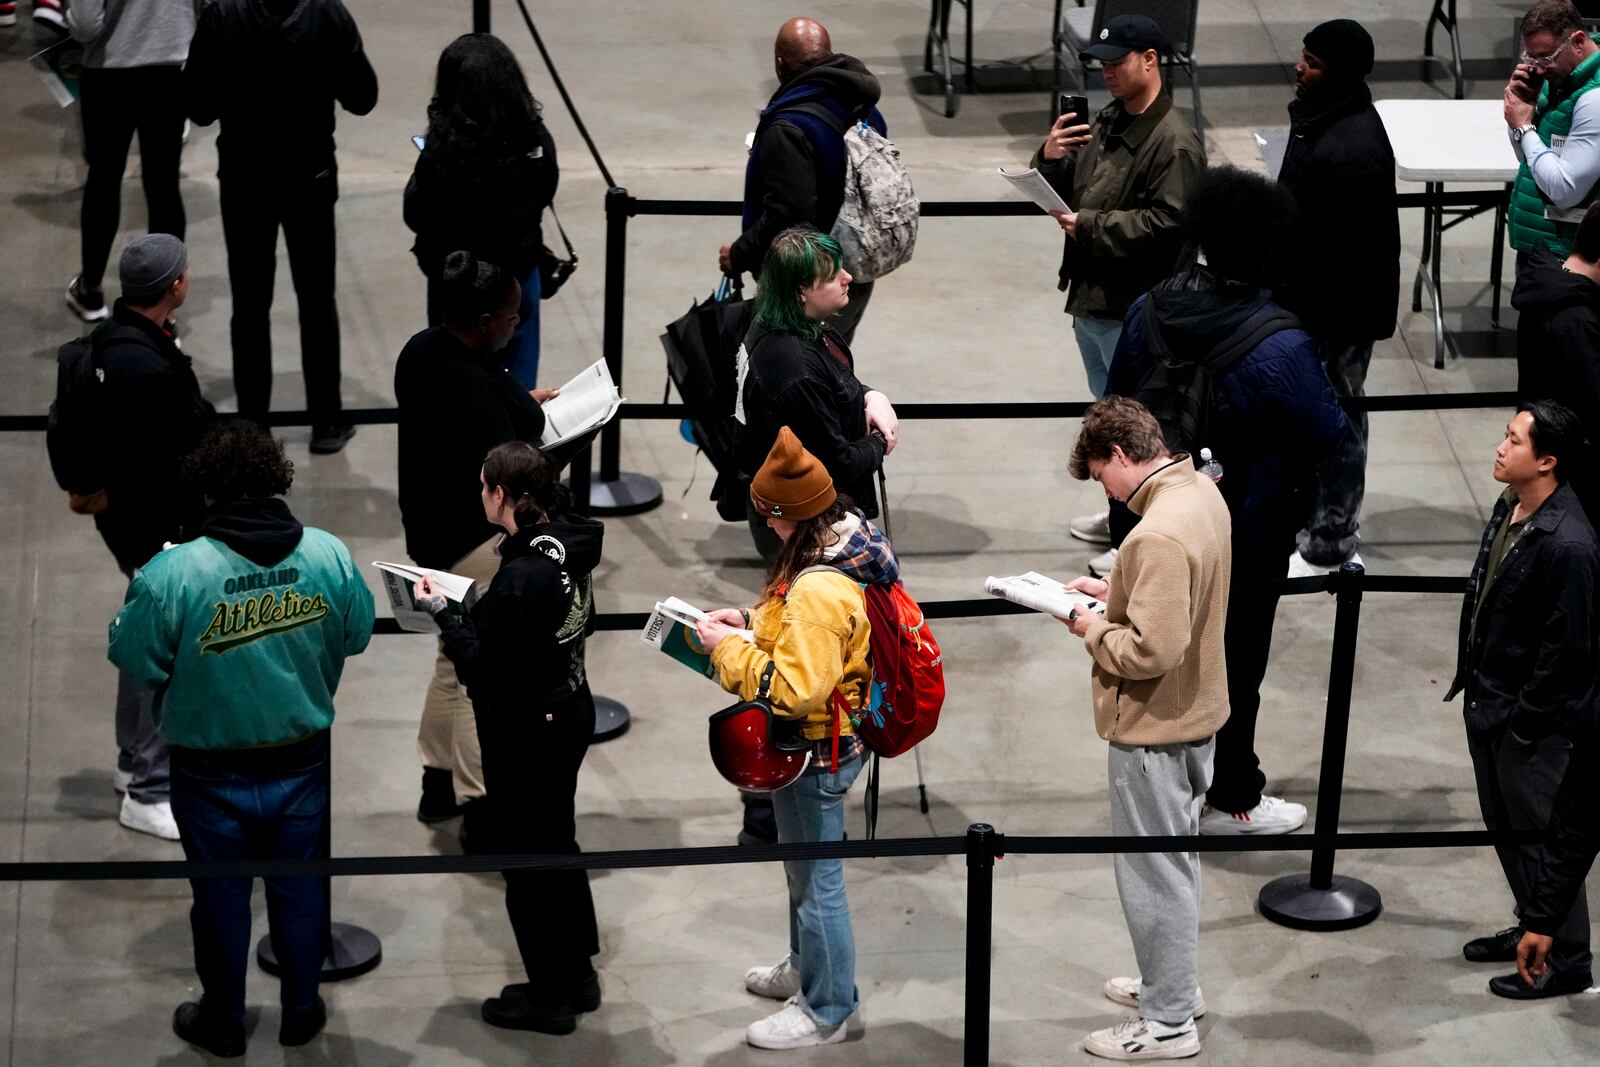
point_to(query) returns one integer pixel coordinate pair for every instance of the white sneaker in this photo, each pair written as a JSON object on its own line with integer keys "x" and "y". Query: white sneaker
{"x": 1300, "y": 567}
{"x": 153, "y": 819}
{"x": 1126, "y": 991}
{"x": 793, "y": 1027}
{"x": 1273, "y": 815}
{"x": 1095, "y": 529}
{"x": 1144, "y": 1039}
{"x": 778, "y": 982}
{"x": 1101, "y": 565}
{"x": 120, "y": 780}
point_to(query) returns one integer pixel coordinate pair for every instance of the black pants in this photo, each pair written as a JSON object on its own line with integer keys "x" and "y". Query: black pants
{"x": 252, "y": 213}
{"x": 115, "y": 104}
{"x": 1236, "y": 778}
{"x": 530, "y": 775}
{"x": 1516, "y": 790}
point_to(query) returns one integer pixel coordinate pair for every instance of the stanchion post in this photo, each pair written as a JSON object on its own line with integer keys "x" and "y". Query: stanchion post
{"x": 1327, "y": 901}
{"x": 617, "y": 492}
{"x": 982, "y": 842}
{"x": 480, "y": 16}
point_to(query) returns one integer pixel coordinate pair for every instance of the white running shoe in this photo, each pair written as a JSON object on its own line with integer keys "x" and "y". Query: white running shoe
{"x": 1144, "y": 1039}
{"x": 778, "y": 982}
{"x": 90, "y": 307}
{"x": 1126, "y": 991}
{"x": 1095, "y": 529}
{"x": 793, "y": 1027}
{"x": 1273, "y": 815}
{"x": 1300, "y": 567}
{"x": 153, "y": 819}
{"x": 1100, "y": 566}
{"x": 120, "y": 780}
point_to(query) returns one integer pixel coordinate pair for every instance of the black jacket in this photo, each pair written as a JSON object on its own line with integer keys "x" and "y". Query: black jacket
{"x": 1572, "y": 841}
{"x": 1344, "y": 279}
{"x": 787, "y": 182}
{"x": 487, "y": 201}
{"x": 1274, "y": 415}
{"x": 455, "y": 405}
{"x": 1531, "y": 664}
{"x": 795, "y": 382}
{"x": 153, "y": 415}
{"x": 272, "y": 70}
{"x": 1558, "y": 335}
{"x": 520, "y": 648}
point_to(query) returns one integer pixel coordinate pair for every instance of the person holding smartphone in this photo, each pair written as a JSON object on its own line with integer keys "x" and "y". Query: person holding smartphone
{"x": 1554, "y": 126}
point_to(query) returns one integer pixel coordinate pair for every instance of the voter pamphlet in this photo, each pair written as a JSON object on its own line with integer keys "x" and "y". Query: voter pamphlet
{"x": 1041, "y": 593}
{"x": 398, "y": 579}
{"x": 584, "y": 405}
{"x": 671, "y": 629}
{"x": 1031, "y": 184}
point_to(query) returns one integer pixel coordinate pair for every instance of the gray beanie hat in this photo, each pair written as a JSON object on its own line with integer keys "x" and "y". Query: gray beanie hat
{"x": 149, "y": 266}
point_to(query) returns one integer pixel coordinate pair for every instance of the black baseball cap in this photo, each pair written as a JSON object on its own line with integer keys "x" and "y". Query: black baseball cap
{"x": 1124, "y": 34}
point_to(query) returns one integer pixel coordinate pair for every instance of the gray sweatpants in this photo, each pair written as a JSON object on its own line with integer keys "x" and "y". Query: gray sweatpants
{"x": 1156, "y": 790}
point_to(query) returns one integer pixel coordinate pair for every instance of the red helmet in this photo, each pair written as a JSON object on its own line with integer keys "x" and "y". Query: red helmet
{"x": 748, "y": 751}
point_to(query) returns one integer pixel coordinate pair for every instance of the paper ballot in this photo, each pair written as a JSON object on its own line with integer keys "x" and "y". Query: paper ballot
{"x": 671, "y": 630}
{"x": 398, "y": 578}
{"x": 1031, "y": 184}
{"x": 585, "y": 404}
{"x": 1041, "y": 593}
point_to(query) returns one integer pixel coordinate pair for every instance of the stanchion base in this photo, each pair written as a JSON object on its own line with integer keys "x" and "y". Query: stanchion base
{"x": 630, "y": 494}
{"x": 1291, "y": 901}
{"x": 352, "y": 951}
{"x": 611, "y": 719}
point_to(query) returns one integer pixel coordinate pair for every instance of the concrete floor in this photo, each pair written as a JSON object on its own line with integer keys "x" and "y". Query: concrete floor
{"x": 90, "y": 972}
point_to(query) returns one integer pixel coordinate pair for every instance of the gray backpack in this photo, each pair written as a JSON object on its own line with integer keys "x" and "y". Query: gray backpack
{"x": 877, "y": 224}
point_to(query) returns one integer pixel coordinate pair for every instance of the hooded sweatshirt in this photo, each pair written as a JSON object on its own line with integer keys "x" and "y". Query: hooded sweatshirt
{"x": 132, "y": 33}
{"x": 796, "y": 169}
{"x": 816, "y": 634}
{"x": 243, "y": 632}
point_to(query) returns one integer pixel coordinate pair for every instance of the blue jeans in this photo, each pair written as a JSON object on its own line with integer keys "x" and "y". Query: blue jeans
{"x": 521, "y": 354}
{"x": 1097, "y": 343}
{"x": 822, "y": 945}
{"x": 269, "y": 803}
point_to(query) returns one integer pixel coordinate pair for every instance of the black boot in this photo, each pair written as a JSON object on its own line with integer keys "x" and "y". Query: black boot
{"x": 517, "y": 1012}
{"x": 299, "y": 1027}
{"x": 438, "y": 796}
{"x": 220, "y": 1037}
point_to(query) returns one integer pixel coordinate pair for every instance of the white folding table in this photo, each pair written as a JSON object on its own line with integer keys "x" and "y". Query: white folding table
{"x": 1439, "y": 141}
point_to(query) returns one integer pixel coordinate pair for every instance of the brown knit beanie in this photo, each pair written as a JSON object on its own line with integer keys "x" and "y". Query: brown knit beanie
{"x": 791, "y": 484}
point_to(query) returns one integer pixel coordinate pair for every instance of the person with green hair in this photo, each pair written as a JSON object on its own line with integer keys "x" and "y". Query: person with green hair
{"x": 796, "y": 371}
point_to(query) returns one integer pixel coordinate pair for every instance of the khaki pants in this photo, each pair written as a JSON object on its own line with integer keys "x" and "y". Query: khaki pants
{"x": 448, "y": 736}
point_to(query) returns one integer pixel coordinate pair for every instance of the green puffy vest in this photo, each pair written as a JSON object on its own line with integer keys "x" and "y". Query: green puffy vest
{"x": 1525, "y": 220}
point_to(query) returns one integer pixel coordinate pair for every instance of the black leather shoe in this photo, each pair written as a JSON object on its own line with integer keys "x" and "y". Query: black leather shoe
{"x": 438, "y": 801}
{"x": 220, "y": 1037}
{"x": 299, "y": 1027}
{"x": 584, "y": 997}
{"x": 516, "y": 1012}
{"x": 1496, "y": 948}
{"x": 330, "y": 437}
{"x": 1552, "y": 983}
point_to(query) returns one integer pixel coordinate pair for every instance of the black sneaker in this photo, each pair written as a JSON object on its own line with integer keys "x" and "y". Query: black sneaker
{"x": 1496, "y": 948}
{"x": 299, "y": 1027}
{"x": 90, "y": 307}
{"x": 1552, "y": 983}
{"x": 517, "y": 1012}
{"x": 330, "y": 437}
{"x": 220, "y": 1037}
{"x": 438, "y": 801}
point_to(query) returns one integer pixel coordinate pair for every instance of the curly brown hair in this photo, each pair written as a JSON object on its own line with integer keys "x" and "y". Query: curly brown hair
{"x": 237, "y": 459}
{"x": 1120, "y": 421}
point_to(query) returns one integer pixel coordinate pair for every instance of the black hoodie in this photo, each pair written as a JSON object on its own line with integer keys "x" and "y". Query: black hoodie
{"x": 261, "y": 529}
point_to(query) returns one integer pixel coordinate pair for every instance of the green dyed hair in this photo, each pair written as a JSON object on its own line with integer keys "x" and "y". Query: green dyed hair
{"x": 798, "y": 257}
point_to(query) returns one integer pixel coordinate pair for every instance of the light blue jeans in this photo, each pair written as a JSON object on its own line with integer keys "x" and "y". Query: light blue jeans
{"x": 1097, "y": 342}
{"x": 822, "y": 945}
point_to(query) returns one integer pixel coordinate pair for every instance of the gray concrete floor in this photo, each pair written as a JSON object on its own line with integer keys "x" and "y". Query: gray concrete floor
{"x": 90, "y": 972}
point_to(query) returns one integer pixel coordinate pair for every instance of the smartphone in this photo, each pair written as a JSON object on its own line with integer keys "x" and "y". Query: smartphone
{"x": 1075, "y": 104}
{"x": 420, "y": 141}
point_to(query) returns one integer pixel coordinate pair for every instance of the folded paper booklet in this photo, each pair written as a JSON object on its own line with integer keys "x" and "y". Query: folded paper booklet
{"x": 671, "y": 629}
{"x": 398, "y": 578}
{"x": 1041, "y": 593}
{"x": 584, "y": 405}
{"x": 1031, "y": 184}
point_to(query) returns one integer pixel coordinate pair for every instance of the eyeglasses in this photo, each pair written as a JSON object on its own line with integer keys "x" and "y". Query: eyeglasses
{"x": 1539, "y": 62}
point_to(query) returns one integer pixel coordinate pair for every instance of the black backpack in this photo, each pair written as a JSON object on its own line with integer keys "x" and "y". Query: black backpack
{"x": 1179, "y": 387}
{"x": 702, "y": 356}
{"x": 76, "y": 424}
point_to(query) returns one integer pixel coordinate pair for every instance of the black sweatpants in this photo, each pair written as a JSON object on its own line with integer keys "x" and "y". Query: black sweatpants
{"x": 252, "y": 213}
{"x": 115, "y": 104}
{"x": 1516, "y": 789}
{"x": 1236, "y": 778}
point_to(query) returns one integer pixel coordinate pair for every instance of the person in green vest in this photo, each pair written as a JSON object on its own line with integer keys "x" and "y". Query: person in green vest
{"x": 1554, "y": 126}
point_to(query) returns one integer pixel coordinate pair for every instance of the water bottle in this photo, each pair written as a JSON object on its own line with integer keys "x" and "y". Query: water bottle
{"x": 1210, "y": 467}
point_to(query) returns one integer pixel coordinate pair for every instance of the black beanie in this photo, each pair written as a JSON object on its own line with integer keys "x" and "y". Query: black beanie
{"x": 1345, "y": 46}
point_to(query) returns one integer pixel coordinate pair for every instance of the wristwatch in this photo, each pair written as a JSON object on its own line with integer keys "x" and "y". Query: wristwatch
{"x": 1522, "y": 131}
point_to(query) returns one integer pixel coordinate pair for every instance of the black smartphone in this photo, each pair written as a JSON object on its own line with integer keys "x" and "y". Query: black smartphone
{"x": 1075, "y": 104}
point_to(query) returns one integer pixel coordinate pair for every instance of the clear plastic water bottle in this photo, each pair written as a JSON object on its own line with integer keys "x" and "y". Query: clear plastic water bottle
{"x": 1210, "y": 467}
